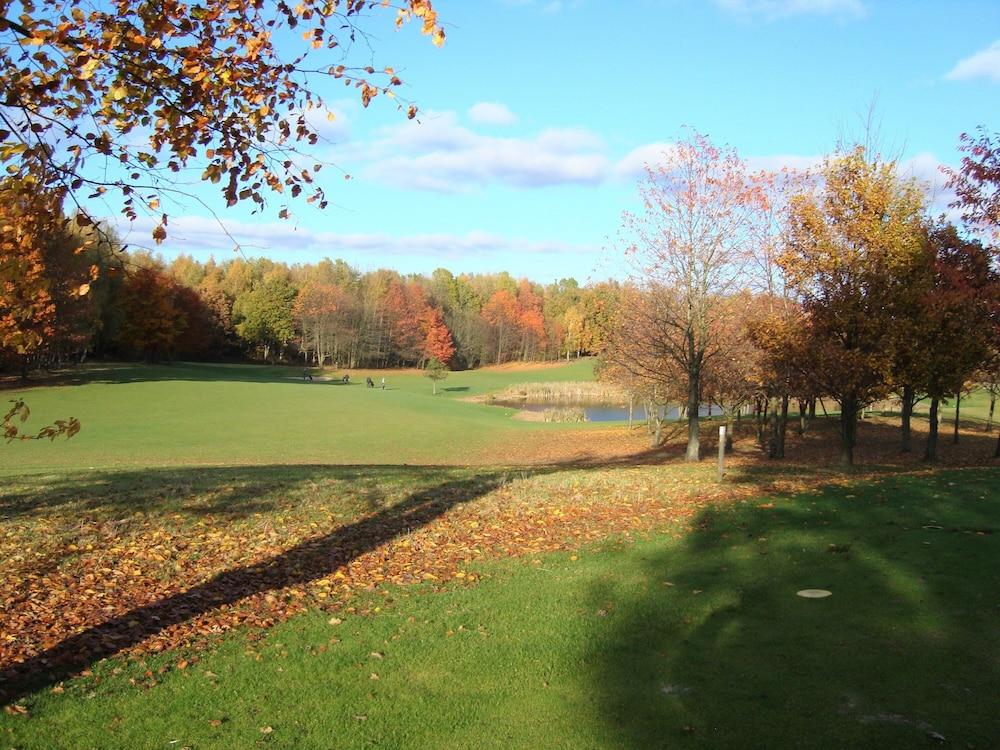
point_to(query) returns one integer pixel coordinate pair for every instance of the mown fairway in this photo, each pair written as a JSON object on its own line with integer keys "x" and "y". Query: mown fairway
{"x": 198, "y": 414}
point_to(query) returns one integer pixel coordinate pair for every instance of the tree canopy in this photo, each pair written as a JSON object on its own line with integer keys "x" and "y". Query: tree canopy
{"x": 121, "y": 96}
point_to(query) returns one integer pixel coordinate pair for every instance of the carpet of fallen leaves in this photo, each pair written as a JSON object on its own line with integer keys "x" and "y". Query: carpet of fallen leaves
{"x": 104, "y": 563}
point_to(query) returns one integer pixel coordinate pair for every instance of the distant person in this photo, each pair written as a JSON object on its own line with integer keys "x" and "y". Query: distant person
{"x": 369, "y": 382}
{"x": 306, "y": 375}
{"x": 347, "y": 379}
{"x": 383, "y": 384}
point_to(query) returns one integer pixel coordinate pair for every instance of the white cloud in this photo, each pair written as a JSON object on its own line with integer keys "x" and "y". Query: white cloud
{"x": 633, "y": 165}
{"x": 439, "y": 154}
{"x": 491, "y": 113}
{"x": 782, "y": 8}
{"x": 191, "y": 234}
{"x": 983, "y": 64}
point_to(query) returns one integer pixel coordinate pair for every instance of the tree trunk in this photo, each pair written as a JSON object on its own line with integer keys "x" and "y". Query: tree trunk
{"x": 779, "y": 423}
{"x": 782, "y": 427}
{"x": 729, "y": 431}
{"x": 996, "y": 451}
{"x": 802, "y": 417}
{"x": 693, "y": 446}
{"x": 631, "y": 403}
{"x": 907, "y": 437}
{"x": 762, "y": 417}
{"x": 958, "y": 403}
{"x": 989, "y": 418}
{"x": 658, "y": 431}
{"x": 812, "y": 408}
{"x": 930, "y": 452}
{"x": 848, "y": 431}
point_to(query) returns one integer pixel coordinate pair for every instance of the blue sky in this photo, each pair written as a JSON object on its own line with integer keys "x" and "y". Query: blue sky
{"x": 536, "y": 116}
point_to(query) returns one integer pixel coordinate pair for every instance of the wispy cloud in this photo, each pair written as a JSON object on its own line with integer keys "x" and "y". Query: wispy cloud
{"x": 783, "y": 8}
{"x": 200, "y": 234}
{"x": 491, "y": 113}
{"x": 439, "y": 154}
{"x": 983, "y": 64}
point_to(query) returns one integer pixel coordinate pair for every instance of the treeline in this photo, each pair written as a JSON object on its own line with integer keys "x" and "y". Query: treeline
{"x": 754, "y": 290}
{"x": 112, "y": 302}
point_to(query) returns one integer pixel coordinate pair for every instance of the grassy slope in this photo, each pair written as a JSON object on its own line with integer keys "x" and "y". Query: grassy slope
{"x": 188, "y": 414}
{"x": 678, "y": 640}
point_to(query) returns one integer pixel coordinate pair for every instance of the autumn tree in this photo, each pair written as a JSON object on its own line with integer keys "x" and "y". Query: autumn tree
{"x": 153, "y": 319}
{"x": 119, "y": 98}
{"x": 438, "y": 345}
{"x": 849, "y": 242}
{"x": 315, "y": 310}
{"x": 688, "y": 249}
{"x": 977, "y": 182}
{"x": 44, "y": 273}
{"x": 958, "y": 319}
{"x": 502, "y": 313}
{"x": 640, "y": 351}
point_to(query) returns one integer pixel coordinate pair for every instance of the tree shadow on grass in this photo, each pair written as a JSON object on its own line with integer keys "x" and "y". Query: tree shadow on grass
{"x": 305, "y": 562}
{"x": 120, "y": 373}
{"x": 711, "y": 647}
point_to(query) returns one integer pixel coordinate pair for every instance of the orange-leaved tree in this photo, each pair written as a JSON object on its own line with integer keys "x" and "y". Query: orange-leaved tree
{"x": 32, "y": 234}
{"x": 438, "y": 344}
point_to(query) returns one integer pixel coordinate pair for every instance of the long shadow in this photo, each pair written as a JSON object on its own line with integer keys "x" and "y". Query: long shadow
{"x": 310, "y": 560}
{"x": 241, "y": 492}
{"x": 116, "y": 373}
{"x": 712, "y": 648}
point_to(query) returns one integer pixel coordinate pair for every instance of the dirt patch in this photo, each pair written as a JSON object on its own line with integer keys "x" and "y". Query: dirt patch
{"x": 523, "y": 415}
{"x": 523, "y": 366}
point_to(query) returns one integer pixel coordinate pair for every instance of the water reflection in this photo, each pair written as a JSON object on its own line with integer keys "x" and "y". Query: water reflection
{"x": 598, "y": 413}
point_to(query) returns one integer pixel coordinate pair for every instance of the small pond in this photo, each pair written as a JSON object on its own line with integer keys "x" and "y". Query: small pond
{"x": 601, "y": 413}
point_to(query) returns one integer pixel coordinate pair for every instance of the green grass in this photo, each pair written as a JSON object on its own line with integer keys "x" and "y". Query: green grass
{"x": 198, "y": 414}
{"x": 974, "y": 406}
{"x": 677, "y": 640}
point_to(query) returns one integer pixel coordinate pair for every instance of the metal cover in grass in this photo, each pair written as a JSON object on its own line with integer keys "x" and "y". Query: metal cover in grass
{"x": 814, "y": 593}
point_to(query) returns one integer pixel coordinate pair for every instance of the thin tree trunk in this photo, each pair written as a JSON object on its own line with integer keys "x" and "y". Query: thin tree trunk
{"x": 930, "y": 452}
{"x": 812, "y": 408}
{"x": 762, "y": 417}
{"x": 782, "y": 427}
{"x": 958, "y": 403}
{"x": 989, "y": 418}
{"x": 907, "y": 437}
{"x": 693, "y": 446}
{"x": 631, "y": 403}
{"x": 779, "y": 423}
{"x": 848, "y": 431}
{"x": 802, "y": 417}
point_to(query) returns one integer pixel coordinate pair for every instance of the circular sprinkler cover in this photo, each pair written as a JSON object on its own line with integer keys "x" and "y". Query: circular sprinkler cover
{"x": 814, "y": 593}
